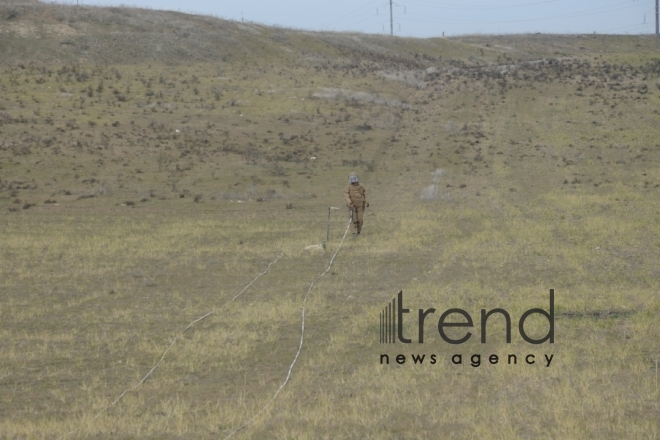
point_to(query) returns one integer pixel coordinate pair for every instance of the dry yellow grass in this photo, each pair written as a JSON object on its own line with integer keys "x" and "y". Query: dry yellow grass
{"x": 134, "y": 209}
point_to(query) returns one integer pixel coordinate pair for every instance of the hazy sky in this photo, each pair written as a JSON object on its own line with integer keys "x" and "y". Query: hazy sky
{"x": 426, "y": 18}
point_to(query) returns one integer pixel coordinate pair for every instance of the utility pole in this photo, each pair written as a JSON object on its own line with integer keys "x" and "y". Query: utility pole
{"x": 657, "y": 23}
{"x": 392, "y": 20}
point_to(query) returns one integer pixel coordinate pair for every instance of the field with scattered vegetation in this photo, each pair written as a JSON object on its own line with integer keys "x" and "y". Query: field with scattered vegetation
{"x": 153, "y": 164}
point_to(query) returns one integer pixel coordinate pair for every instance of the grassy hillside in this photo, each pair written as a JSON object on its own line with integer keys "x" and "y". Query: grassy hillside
{"x": 152, "y": 164}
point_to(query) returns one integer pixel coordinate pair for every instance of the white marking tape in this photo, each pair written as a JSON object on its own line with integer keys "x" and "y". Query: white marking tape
{"x": 172, "y": 343}
{"x": 302, "y": 335}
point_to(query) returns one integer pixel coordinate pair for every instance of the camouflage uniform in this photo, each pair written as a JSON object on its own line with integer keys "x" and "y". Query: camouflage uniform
{"x": 356, "y": 200}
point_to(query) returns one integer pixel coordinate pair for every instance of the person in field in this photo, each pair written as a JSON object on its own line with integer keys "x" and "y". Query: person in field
{"x": 356, "y": 200}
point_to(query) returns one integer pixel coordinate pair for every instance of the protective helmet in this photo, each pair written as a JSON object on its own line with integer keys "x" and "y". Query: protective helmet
{"x": 353, "y": 178}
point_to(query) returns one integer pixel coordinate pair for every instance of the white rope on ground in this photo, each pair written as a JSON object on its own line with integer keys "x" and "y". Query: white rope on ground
{"x": 174, "y": 341}
{"x": 302, "y": 336}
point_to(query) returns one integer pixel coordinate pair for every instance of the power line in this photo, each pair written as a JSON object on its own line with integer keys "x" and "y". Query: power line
{"x": 363, "y": 19}
{"x": 349, "y": 15}
{"x": 392, "y": 17}
{"x": 627, "y": 27}
{"x": 582, "y": 13}
{"x": 411, "y": 17}
{"x": 479, "y": 7}
{"x": 392, "y": 22}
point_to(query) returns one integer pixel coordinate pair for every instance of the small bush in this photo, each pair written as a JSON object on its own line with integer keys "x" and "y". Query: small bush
{"x": 277, "y": 170}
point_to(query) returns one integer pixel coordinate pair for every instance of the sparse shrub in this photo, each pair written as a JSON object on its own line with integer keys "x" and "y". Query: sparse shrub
{"x": 11, "y": 13}
{"x": 251, "y": 156}
{"x": 277, "y": 169}
{"x": 82, "y": 76}
{"x": 72, "y": 124}
{"x": 368, "y": 166}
